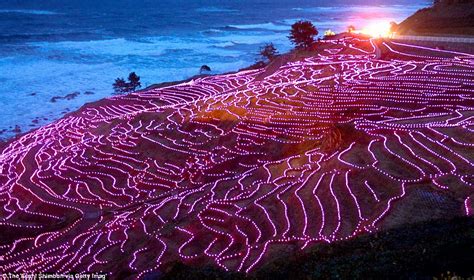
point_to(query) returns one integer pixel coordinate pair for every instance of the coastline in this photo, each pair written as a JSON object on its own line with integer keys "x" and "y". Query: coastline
{"x": 7, "y": 140}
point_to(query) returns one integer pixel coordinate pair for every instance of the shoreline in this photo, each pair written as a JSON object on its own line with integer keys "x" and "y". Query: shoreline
{"x": 7, "y": 140}
{"x": 4, "y": 141}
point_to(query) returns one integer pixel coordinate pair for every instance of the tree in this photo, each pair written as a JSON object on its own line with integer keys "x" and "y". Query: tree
{"x": 351, "y": 28}
{"x": 302, "y": 34}
{"x": 134, "y": 81}
{"x": 121, "y": 86}
{"x": 268, "y": 52}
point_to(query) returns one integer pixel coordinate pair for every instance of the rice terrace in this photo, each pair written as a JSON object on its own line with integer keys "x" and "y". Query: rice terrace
{"x": 231, "y": 170}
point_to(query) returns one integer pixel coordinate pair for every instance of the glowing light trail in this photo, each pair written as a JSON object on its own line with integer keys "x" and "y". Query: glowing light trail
{"x": 222, "y": 168}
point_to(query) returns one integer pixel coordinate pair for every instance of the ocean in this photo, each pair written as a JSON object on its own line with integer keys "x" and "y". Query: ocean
{"x": 76, "y": 48}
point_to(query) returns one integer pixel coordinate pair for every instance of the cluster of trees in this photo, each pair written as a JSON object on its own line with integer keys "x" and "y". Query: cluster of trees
{"x": 121, "y": 86}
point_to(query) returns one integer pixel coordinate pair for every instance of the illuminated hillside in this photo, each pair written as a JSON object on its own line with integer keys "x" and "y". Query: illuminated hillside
{"x": 232, "y": 169}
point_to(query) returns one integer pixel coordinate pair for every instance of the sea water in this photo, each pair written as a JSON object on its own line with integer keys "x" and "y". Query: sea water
{"x": 76, "y": 48}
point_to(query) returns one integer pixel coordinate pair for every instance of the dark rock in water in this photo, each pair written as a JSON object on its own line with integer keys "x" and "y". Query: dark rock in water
{"x": 89, "y": 92}
{"x": 66, "y": 111}
{"x": 66, "y": 97}
{"x": 35, "y": 121}
{"x": 54, "y": 98}
{"x": 17, "y": 129}
{"x": 205, "y": 68}
{"x": 32, "y": 94}
{"x": 72, "y": 95}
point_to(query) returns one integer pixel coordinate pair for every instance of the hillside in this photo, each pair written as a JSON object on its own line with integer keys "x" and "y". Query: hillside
{"x": 235, "y": 170}
{"x": 427, "y": 250}
{"x": 443, "y": 19}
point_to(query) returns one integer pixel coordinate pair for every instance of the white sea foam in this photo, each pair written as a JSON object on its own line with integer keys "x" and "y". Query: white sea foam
{"x": 224, "y": 44}
{"x": 98, "y": 63}
{"x": 112, "y": 47}
{"x": 321, "y": 23}
{"x": 215, "y": 10}
{"x": 251, "y": 39}
{"x": 265, "y": 26}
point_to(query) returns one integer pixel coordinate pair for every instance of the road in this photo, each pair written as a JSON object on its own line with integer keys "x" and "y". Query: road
{"x": 467, "y": 40}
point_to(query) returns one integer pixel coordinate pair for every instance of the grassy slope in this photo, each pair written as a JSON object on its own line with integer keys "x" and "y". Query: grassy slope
{"x": 443, "y": 20}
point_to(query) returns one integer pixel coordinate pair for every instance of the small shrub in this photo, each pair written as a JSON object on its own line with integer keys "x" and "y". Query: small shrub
{"x": 205, "y": 68}
{"x": 268, "y": 52}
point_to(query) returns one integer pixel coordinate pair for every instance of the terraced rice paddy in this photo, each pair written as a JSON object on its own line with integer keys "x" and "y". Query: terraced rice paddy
{"x": 230, "y": 169}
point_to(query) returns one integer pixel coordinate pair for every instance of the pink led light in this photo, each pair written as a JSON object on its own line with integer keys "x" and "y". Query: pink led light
{"x": 222, "y": 168}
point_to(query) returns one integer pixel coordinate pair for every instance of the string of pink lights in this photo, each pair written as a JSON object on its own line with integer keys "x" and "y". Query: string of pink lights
{"x": 227, "y": 169}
